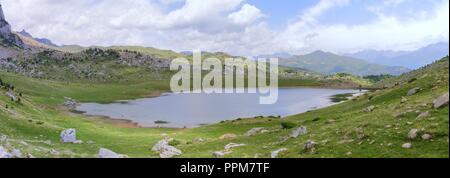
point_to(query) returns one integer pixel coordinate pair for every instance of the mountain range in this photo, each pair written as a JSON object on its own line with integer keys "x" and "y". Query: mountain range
{"x": 410, "y": 59}
{"x": 329, "y": 63}
{"x": 40, "y": 40}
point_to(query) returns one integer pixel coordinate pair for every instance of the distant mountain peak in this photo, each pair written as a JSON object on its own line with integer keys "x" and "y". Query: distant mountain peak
{"x": 40, "y": 40}
{"x": 25, "y": 33}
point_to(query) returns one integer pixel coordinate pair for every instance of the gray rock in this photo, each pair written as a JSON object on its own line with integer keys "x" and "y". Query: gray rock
{"x": 426, "y": 136}
{"x": 370, "y": 108}
{"x": 413, "y": 91}
{"x": 254, "y": 131}
{"x": 165, "y": 150}
{"x": 220, "y": 154}
{"x": 48, "y": 142}
{"x": 232, "y": 145}
{"x": 407, "y": 145}
{"x": 423, "y": 115}
{"x": 298, "y": 131}
{"x": 3, "y": 138}
{"x": 169, "y": 152}
{"x": 4, "y": 153}
{"x": 68, "y": 136}
{"x": 70, "y": 103}
{"x": 441, "y": 101}
{"x": 78, "y": 142}
{"x": 310, "y": 145}
{"x": 412, "y": 133}
{"x": 54, "y": 152}
{"x": 15, "y": 153}
{"x": 105, "y": 153}
{"x": 10, "y": 95}
{"x": 160, "y": 145}
{"x": 227, "y": 136}
{"x": 274, "y": 154}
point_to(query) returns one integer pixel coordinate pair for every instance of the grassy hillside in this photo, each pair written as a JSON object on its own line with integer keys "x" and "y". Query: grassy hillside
{"x": 344, "y": 130}
{"x": 328, "y": 63}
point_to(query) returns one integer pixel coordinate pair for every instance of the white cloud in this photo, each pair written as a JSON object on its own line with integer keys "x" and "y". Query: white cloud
{"x": 247, "y": 15}
{"x": 232, "y": 26}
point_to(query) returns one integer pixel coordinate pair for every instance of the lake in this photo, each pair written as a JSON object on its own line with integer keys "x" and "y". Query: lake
{"x": 191, "y": 110}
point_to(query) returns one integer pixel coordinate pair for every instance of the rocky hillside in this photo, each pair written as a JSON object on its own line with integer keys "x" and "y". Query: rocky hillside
{"x": 7, "y": 37}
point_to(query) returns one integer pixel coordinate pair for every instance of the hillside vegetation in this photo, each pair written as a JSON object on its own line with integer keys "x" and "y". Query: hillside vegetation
{"x": 382, "y": 123}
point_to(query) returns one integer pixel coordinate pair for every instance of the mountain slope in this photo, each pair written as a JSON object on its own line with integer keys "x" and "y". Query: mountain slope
{"x": 409, "y": 59}
{"x": 7, "y": 38}
{"x": 329, "y": 63}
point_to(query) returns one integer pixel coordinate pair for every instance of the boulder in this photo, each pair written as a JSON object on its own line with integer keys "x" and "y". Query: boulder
{"x": 426, "y": 136}
{"x": 232, "y": 145}
{"x": 298, "y": 131}
{"x": 15, "y": 153}
{"x": 4, "y": 153}
{"x": 413, "y": 91}
{"x": 105, "y": 153}
{"x": 441, "y": 101}
{"x": 412, "y": 133}
{"x": 169, "y": 152}
{"x": 275, "y": 153}
{"x": 423, "y": 115}
{"x": 310, "y": 145}
{"x": 68, "y": 136}
{"x": 370, "y": 108}
{"x": 220, "y": 154}
{"x": 254, "y": 131}
{"x": 165, "y": 150}
{"x": 70, "y": 103}
{"x": 407, "y": 145}
{"x": 227, "y": 136}
{"x": 160, "y": 145}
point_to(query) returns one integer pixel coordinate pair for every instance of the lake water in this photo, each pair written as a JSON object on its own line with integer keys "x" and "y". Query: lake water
{"x": 190, "y": 110}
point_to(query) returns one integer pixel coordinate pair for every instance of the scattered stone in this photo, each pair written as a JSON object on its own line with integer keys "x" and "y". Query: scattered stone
{"x": 9, "y": 94}
{"x": 15, "y": 153}
{"x": 4, "y": 153}
{"x": 413, "y": 91}
{"x": 426, "y": 136}
{"x": 199, "y": 140}
{"x": 441, "y": 101}
{"x": 298, "y": 131}
{"x": 233, "y": 145}
{"x": 310, "y": 145}
{"x": 169, "y": 152}
{"x": 254, "y": 131}
{"x": 412, "y": 133}
{"x": 24, "y": 143}
{"x": 48, "y": 142}
{"x": 68, "y": 136}
{"x": 78, "y": 142}
{"x": 407, "y": 145}
{"x": 165, "y": 150}
{"x": 70, "y": 103}
{"x": 348, "y": 153}
{"x": 105, "y": 153}
{"x": 228, "y": 136}
{"x": 275, "y": 153}
{"x": 423, "y": 115}
{"x": 370, "y": 108}
{"x": 3, "y": 138}
{"x": 220, "y": 154}
{"x": 54, "y": 152}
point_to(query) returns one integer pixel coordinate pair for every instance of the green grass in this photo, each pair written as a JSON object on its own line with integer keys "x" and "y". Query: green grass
{"x": 338, "y": 129}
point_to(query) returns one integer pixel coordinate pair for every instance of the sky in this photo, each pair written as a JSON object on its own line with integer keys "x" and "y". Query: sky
{"x": 238, "y": 27}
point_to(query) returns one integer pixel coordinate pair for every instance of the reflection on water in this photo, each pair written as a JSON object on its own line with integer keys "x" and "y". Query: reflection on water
{"x": 189, "y": 110}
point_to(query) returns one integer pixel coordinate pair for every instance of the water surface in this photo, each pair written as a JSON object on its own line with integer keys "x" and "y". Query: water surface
{"x": 190, "y": 110}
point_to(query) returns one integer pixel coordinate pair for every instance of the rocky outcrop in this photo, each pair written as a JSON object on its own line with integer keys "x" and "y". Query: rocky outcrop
{"x": 298, "y": 131}
{"x": 6, "y": 36}
{"x": 105, "y": 153}
{"x": 68, "y": 136}
{"x": 441, "y": 101}
{"x": 165, "y": 150}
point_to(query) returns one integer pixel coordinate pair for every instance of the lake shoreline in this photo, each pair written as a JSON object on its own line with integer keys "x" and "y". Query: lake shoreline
{"x": 131, "y": 123}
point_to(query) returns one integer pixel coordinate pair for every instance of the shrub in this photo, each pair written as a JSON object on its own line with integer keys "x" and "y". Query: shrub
{"x": 288, "y": 125}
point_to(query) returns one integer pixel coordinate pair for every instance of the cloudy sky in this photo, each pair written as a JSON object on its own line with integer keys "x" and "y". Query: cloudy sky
{"x": 240, "y": 27}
